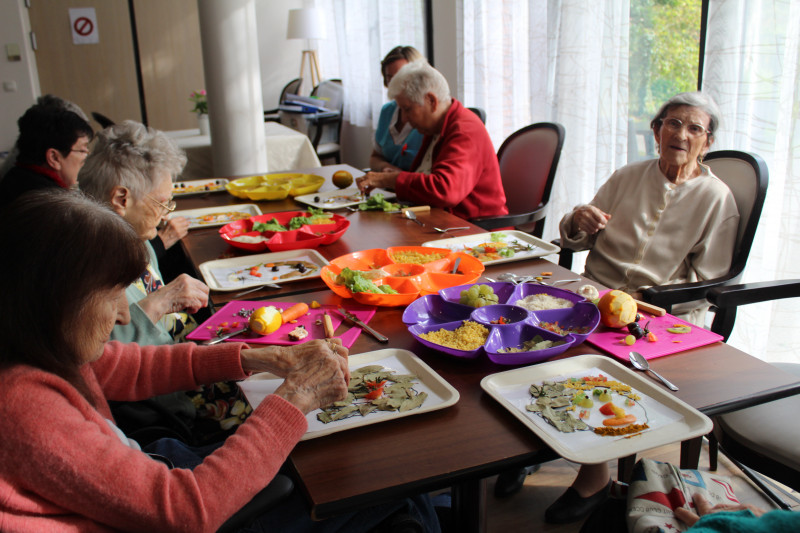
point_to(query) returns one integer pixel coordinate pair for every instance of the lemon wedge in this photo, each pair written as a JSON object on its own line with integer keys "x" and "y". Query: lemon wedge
{"x": 266, "y": 320}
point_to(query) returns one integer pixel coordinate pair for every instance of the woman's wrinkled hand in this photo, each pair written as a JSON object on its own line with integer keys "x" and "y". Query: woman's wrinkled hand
{"x": 319, "y": 378}
{"x": 704, "y": 507}
{"x": 375, "y": 180}
{"x": 589, "y": 219}
{"x": 174, "y": 230}
{"x": 184, "y": 293}
{"x": 281, "y": 360}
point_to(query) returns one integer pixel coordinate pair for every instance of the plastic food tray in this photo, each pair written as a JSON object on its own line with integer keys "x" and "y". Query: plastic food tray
{"x": 533, "y": 247}
{"x": 209, "y": 217}
{"x": 443, "y": 311}
{"x": 274, "y": 186}
{"x": 308, "y": 236}
{"x": 193, "y": 187}
{"x": 409, "y": 280}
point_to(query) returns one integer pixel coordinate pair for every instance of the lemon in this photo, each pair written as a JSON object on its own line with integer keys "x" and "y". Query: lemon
{"x": 342, "y": 179}
{"x": 266, "y": 320}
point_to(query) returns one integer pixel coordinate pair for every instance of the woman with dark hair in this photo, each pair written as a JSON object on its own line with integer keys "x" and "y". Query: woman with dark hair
{"x": 52, "y": 146}
{"x": 64, "y": 463}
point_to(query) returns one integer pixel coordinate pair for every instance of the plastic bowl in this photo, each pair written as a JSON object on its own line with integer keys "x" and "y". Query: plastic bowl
{"x": 417, "y": 329}
{"x": 514, "y": 336}
{"x": 488, "y": 315}
{"x": 584, "y": 315}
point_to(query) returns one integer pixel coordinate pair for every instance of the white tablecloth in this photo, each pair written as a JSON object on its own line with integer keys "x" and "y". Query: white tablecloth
{"x": 287, "y": 149}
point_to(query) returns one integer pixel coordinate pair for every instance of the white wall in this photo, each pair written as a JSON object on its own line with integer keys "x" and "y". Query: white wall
{"x": 15, "y": 28}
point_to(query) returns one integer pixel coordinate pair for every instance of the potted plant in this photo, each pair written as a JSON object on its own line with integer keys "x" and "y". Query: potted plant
{"x": 200, "y": 101}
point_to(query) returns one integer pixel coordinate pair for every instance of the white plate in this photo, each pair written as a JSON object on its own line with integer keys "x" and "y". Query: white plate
{"x": 670, "y": 419}
{"x": 457, "y": 244}
{"x": 440, "y": 393}
{"x": 339, "y": 199}
{"x": 193, "y": 187}
{"x": 218, "y": 274}
{"x": 220, "y": 213}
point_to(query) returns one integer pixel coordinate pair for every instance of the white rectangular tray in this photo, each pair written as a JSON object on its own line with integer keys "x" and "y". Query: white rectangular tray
{"x": 540, "y": 248}
{"x": 193, "y": 187}
{"x": 440, "y": 393}
{"x": 341, "y": 198}
{"x": 214, "y": 271}
{"x": 221, "y": 214}
{"x": 670, "y": 419}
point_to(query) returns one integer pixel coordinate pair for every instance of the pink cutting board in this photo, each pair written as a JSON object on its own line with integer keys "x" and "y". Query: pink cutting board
{"x": 611, "y": 340}
{"x": 229, "y": 314}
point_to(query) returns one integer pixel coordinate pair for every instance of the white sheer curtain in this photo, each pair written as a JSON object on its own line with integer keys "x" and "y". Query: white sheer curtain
{"x": 751, "y": 69}
{"x": 360, "y": 33}
{"x": 561, "y": 61}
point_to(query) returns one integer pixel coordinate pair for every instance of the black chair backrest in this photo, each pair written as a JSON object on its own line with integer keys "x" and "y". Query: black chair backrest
{"x": 747, "y": 176}
{"x": 101, "y": 119}
{"x": 480, "y": 112}
{"x": 528, "y": 161}
{"x": 290, "y": 88}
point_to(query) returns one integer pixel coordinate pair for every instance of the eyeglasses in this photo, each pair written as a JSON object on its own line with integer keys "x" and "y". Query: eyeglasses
{"x": 168, "y": 208}
{"x": 675, "y": 125}
{"x": 84, "y": 152}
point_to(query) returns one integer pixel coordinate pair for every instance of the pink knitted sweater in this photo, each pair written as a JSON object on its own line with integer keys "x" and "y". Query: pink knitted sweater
{"x": 63, "y": 469}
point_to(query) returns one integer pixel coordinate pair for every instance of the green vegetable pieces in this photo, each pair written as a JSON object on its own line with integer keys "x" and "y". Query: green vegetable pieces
{"x": 356, "y": 282}
{"x": 376, "y": 202}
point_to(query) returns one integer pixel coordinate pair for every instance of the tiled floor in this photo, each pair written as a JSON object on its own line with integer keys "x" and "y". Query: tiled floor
{"x": 525, "y": 510}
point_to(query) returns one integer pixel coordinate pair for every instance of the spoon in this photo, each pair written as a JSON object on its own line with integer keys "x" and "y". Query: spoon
{"x": 445, "y": 230}
{"x": 640, "y": 363}
{"x": 412, "y": 216}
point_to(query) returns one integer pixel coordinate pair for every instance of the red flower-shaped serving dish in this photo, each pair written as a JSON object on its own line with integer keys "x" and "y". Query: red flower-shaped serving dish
{"x": 241, "y": 234}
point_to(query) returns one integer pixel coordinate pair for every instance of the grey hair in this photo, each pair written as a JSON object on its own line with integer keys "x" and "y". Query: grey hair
{"x": 129, "y": 154}
{"x": 417, "y": 79}
{"x": 693, "y": 99}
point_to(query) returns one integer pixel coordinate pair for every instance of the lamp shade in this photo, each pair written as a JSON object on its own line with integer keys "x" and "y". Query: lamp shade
{"x": 305, "y": 24}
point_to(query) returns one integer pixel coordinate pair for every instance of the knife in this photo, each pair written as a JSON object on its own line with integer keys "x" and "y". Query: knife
{"x": 221, "y": 338}
{"x": 352, "y": 318}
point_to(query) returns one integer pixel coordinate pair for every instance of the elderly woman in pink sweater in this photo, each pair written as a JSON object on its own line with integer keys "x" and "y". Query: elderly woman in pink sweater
{"x": 64, "y": 465}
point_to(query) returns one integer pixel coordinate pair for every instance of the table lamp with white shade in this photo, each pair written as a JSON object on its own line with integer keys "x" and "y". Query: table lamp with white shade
{"x": 307, "y": 24}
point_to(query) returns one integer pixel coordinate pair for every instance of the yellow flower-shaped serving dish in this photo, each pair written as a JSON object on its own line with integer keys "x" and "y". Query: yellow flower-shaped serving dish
{"x": 274, "y": 186}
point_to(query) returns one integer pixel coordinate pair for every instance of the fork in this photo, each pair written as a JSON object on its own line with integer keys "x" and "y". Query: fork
{"x": 445, "y": 230}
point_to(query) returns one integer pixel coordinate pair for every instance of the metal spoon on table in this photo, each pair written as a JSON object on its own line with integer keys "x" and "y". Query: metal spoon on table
{"x": 412, "y": 216}
{"x": 639, "y": 362}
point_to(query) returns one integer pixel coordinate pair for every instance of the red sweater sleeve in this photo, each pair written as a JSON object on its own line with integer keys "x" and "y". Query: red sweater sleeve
{"x": 62, "y": 468}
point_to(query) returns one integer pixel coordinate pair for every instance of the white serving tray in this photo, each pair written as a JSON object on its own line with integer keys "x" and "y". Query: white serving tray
{"x": 197, "y": 216}
{"x": 194, "y": 187}
{"x": 440, "y": 393}
{"x": 217, "y": 273}
{"x": 457, "y": 244}
{"x": 670, "y": 419}
{"x": 339, "y": 199}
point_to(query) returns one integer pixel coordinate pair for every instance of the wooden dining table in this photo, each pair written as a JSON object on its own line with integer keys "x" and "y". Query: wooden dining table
{"x": 460, "y": 446}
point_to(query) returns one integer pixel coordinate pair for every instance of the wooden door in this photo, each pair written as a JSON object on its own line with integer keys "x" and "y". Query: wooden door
{"x": 98, "y": 77}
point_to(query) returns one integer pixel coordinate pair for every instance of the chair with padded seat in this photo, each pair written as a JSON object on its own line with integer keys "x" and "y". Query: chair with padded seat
{"x": 325, "y": 129}
{"x": 747, "y": 177}
{"x": 758, "y": 439}
{"x": 101, "y": 119}
{"x": 273, "y": 115}
{"x": 528, "y": 161}
{"x": 480, "y": 112}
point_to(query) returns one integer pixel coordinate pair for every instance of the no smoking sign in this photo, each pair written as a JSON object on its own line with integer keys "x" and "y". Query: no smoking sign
{"x": 83, "y": 21}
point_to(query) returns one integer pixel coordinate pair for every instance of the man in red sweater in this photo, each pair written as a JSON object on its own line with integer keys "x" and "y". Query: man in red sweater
{"x": 456, "y": 167}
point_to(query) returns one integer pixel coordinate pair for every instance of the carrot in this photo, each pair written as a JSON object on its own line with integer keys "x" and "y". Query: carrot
{"x": 294, "y": 312}
{"x": 614, "y": 421}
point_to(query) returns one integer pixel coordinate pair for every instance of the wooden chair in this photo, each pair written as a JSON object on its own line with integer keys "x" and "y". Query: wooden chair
{"x": 272, "y": 115}
{"x": 328, "y": 128}
{"x": 528, "y": 161}
{"x": 761, "y": 438}
{"x": 747, "y": 177}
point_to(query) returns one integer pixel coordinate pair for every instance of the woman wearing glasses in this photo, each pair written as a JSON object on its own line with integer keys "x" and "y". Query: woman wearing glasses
{"x": 655, "y": 222}
{"x": 131, "y": 168}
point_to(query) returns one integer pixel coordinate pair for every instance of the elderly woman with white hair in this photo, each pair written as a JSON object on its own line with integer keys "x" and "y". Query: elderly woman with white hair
{"x": 456, "y": 167}
{"x": 662, "y": 221}
{"x": 131, "y": 168}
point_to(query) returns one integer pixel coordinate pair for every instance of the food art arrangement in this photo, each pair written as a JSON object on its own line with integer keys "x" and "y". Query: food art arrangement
{"x": 625, "y": 327}
{"x": 217, "y": 216}
{"x": 511, "y": 324}
{"x": 385, "y": 385}
{"x": 591, "y": 409}
{"x": 287, "y": 230}
{"x": 238, "y": 273}
{"x": 274, "y": 186}
{"x": 279, "y": 323}
{"x": 398, "y": 275}
{"x": 375, "y": 388}
{"x": 498, "y": 247}
{"x": 192, "y": 187}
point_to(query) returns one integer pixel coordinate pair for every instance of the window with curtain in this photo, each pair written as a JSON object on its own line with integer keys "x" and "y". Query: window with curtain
{"x": 364, "y": 31}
